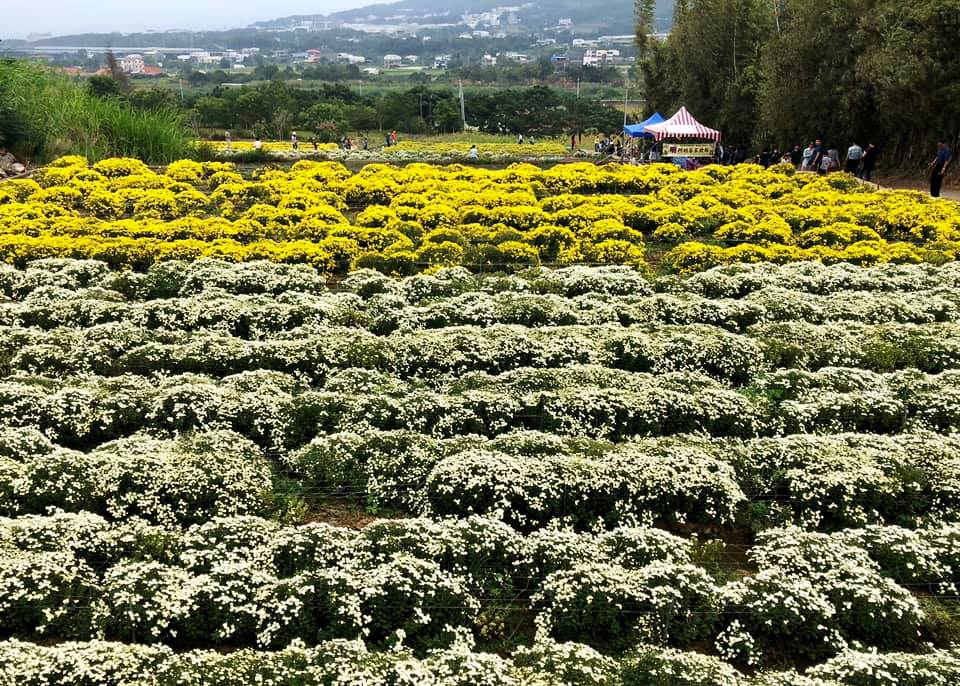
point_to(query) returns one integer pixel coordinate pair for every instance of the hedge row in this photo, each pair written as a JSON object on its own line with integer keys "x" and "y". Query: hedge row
{"x": 261, "y": 316}
{"x": 183, "y": 278}
{"x": 529, "y": 480}
{"x": 278, "y": 411}
{"x": 423, "y": 584}
{"x": 97, "y": 663}
{"x": 316, "y": 353}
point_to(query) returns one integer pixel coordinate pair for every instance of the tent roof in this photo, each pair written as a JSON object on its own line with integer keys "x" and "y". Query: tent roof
{"x": 682, "y": 125}
{"x": 638, "y": 130}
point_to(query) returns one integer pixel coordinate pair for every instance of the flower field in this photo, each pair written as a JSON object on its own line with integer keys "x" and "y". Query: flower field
{"x": 433, "y": 151}
{"x": 267, "y": 146}
{"x": 448, "y": 426}
{"x": 405, "y": 220}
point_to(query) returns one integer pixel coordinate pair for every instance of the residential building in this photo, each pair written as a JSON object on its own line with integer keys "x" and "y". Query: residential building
{"x": 488, "y": 61}
{"x": 392, "y": 61}
{"x": 132, "y": 64}
{"x": 516, "y": 57}
{"x": 350, "y": 59}
{"x": 597, "y": 58}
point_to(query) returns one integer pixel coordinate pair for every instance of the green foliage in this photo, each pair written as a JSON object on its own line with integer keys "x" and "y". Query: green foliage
{"x": 49, "y": 115}
{"x": 103, "y": 86}
{"x": 789, "y": 71}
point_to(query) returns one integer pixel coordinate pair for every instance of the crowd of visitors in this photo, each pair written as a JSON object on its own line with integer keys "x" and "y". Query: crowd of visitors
{"x": 816, "y": 157}
{"x": 609, "y": 145}
{"x": 347, "y": 143}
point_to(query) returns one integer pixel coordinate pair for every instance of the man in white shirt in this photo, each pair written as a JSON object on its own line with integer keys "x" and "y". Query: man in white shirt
{"x": 854, "y": 155}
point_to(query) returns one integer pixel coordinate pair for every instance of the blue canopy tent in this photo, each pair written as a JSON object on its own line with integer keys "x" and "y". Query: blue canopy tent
{"x": 637, "y": 130}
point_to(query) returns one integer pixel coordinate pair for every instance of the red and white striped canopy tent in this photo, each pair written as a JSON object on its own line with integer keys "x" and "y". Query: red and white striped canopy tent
{"x": 682, "y": 125}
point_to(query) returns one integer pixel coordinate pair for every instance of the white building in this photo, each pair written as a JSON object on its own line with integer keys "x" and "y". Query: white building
{"x": 441, "y": 61}
{"x": 624, "y": 39}
{"x": 372, "y": 71}
{"x": 132, "y": 64}
{"x": 391, "y": 61}
{"x": 411, "y": 59}
{"x": 350, "y": 59}
{"x": 596, "y": 58}
{"x": 481, "y": 34}
{"x": 565, "y": 21}
{"x": 489, "y": 61}
{"x": 516, "y": 57}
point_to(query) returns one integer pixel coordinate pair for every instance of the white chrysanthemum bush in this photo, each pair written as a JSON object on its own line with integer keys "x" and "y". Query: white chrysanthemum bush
{"x": 230, "y": 472}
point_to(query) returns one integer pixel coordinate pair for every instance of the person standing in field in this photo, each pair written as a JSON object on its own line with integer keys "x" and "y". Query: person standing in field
{"x": 939, "y": 168}
{"x": 796, "y": 156}
{"x": 573, "y": 142}
{"x": 519, "y": 139}
{"x": 473, "y": 154}
{"x": 854, "y": 156}
{"x": 227, "y": 142}
{"x": 294, "y": 142}
{"x": 869, "y": 161}
{"x": 816, "y": 162}
{"x": 393, "y": 137}
{"x": 807, "y": 161}
{"x": 834, "y": 159}
{"x": 257, "y": 145}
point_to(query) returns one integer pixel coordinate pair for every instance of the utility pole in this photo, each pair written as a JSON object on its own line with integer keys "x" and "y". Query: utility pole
{"x": 626, "y": 89}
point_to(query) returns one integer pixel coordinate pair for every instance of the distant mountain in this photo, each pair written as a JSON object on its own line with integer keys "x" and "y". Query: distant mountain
{"x": 585, "y": 15}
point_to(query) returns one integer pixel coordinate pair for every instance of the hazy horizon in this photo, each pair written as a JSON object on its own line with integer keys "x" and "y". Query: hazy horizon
{"x": 60, "y": 18}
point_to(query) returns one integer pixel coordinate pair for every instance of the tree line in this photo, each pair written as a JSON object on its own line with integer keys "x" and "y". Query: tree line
{"x": 781, "y": 72}
{"x": 274, "y": 109}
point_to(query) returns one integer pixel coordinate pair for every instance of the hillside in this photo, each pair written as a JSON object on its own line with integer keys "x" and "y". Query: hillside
{"x": 586, "y": 16}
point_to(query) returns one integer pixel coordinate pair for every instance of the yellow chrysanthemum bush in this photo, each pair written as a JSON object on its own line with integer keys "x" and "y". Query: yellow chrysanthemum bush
{"x": 419, "y": 217}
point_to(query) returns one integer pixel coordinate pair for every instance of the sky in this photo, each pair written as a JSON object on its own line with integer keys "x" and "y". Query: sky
{"x": 60, "y": 17}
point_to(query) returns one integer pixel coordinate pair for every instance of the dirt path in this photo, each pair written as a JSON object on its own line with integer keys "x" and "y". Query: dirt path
{"x": 918, "y": 184}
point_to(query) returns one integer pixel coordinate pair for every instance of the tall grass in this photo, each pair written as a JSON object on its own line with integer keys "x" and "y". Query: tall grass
{"x": 57, "y": 116}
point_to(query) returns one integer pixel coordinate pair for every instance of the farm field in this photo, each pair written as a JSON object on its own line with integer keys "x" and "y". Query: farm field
{"x": 436, "y": 149}
{"x": 404, "y": 220}
{"x": 450, "y": 426}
